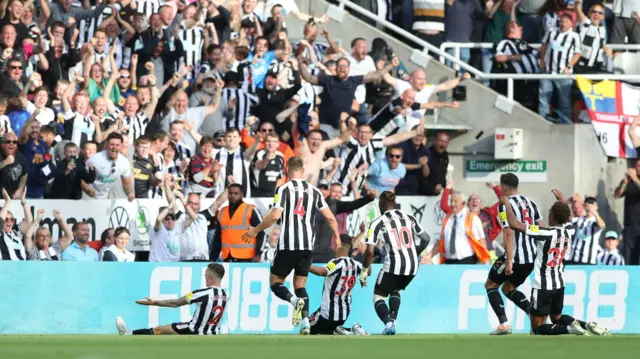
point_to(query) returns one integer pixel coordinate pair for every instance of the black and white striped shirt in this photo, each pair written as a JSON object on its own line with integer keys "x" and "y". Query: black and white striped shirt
{"x": 210, "y": 306}
{"x": 528, "y": 64}
{"x": 234, "y": 164}
{"x": 279, "y": 67}
{"x": 147, "y": 7}
{"x": 87, "y": 27}
{"x": 398, "y": 232}
{"x": 11, "y": 247}
{"x": 561, "y": 47}
{"x": 301, "y": 202}
{"x": 527, "y": 212}
{"x": 192, "y": 42}
{"x": 353, "y": 155}
{"x": 183, "y": 151}
{"x": 551, "y": 246}
{"x": 244, "y": 102}
{"x": 78, "y": 128}
{"x": 584, "y": 248}
{"x": 137, "y": 125}
{"x": 342, "y": 276}
{"x": 613, "y": 258}
{"x": 592, "y": 44}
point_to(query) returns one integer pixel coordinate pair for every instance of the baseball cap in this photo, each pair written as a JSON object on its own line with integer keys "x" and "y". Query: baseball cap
{"x": 219, "y": 134}
{"x": 211, "y": 75}
{"x": 611, "y": 235}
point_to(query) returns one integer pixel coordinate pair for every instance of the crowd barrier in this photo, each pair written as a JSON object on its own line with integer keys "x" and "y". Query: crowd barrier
{"x": 139, "y": 216}
{"x": 85, "y": 298}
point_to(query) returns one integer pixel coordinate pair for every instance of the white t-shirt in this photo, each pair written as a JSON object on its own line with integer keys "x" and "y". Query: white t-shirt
{"x": 358, "y": 68}
{"x": 122, "y": 257}
{"x": 107, "y": 173}
{"x": 45, "y": 116}
{"x": 422, "y": 96}
{"x": 193, "y": 240}
{"x": 165, "y": 245}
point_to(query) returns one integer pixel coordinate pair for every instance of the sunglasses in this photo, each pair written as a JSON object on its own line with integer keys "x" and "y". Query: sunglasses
{"x": 11, "y": 142}
{"x": 269, "y": 130}
{"x": 15, "y": 67}
{"x": 597, "y": 12}
{"x": 124, "y": 76}
{"x": 395, "y": 156}
{"x": 169, "y": 218}
{"x": 9, "y": 219}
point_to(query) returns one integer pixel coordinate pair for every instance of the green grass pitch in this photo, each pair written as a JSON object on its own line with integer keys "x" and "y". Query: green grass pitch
{"x": 282, "y": 347}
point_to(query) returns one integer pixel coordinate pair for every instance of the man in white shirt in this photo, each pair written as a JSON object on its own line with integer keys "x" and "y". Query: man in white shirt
{"x": 457, "y": 246}
{"x": 165, "y": 237}
{"x": 361, "y": 64}
{"x": 110, "y": 165}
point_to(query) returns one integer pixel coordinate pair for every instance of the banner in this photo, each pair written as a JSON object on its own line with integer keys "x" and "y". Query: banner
{"x": 139, "y": 216}
{"x": 611, "y": 107}
{"x": 85, "y": 298}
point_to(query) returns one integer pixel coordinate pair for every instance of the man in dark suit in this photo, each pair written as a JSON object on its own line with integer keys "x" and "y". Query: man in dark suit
{"x": 69, "y": 174}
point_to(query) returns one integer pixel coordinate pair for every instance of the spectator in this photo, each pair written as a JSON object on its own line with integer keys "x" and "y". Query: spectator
{"x": 611, "y": 256}
{"x": 386, "y": 173}
{"x": 117, "y": 252}
{"x": 502, "y": 13}
{"x": 78, "y": 250}
{"x": 66, "y": 13}
{"x": 42, "y": 249}
{"x": 105, "y": 241}
{"x": 626, "y": 22}
{"x": 69, "y": 174}
{"x": 234, "y": 162}
{"x": 11, "y": 241}
{"x": 193, "y": 240}
{"x": 559, "y": 53}
{"x": 110, "y": 165}
{"x": 414, "y": 158}
{"x": 360, "y": 64}
{"x": 60, "y": 61}
{"x": 552, "y": 12}
{"x": 313, "y": 150}
{"x": 531, "y": 20}
{"x": 592, "y": 38}
{"x": 265, "y": 128}
{"x": 267, "y": 168}
{"x": 459, "y": 16}
{"x": 165, "y": 237}
{"x": 41, "y": 168}
{"x": 204, "y": 170}
{"x": 435, "y": 174}
{"x": 232, "y": 222}
{"x": 395, "y": 114}
{"x": 273, "y": 99}
{"x": 271, "y": 245}
{"x": 12, "y": 79}
{"x": 589, "y": 226}
{"x": 462, "y": 237}
{"x": 146, "y": 173}
{"x": 629, "y": 188}
{"x": 14, "y": 167}
{"x": 429, "y": 20}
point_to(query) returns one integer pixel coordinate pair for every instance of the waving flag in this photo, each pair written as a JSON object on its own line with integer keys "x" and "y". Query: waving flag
{"x": 611, "y": 106}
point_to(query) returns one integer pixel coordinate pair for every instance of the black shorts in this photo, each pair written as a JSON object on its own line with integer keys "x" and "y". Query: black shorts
{"x": 287, "y": 261}
{"x": 520, "y": 272}
{"x": 545, "y": 302}
{"x": 388, "y": 283}
{"x": 182, "y": 329}
{"x": 323, "y": 326}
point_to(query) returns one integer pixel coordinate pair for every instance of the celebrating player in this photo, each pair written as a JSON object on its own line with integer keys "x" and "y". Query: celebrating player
{"x": 340, "y": 275}
{"x": 210, "y": 305}
{"x": 398, "y": 232}
{"x": 547, "y": 295}
{"x": 514, "y": 267}
{"x": 300, "y": 202}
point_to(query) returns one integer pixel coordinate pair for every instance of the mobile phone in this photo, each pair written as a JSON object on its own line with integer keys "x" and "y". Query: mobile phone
{"x": 72, "y": 160}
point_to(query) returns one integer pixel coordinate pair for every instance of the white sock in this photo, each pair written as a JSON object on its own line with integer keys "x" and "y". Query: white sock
{"x": 505, "y": 323}
{"x": 305, "y": 322}
{"x": 570, "y": 330}
{"x": 294, "y": 300}
{"x": 390, "y": 324}
{"x": 128, "y": 332}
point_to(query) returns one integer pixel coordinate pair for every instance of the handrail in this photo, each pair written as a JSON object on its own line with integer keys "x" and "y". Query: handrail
{"x": 427, "y": 47}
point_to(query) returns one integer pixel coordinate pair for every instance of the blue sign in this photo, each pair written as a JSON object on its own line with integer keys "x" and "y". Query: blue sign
{"x": 85, "y": 298}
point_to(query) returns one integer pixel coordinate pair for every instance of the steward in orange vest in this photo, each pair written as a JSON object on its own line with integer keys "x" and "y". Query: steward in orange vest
{"x": 478, "y": 245}
{"x": 232, "y": 222}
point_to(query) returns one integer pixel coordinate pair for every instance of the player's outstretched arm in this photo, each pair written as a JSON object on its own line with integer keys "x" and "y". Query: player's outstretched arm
{"x": 514, "y": 223}
{"x": 271, "y": 218}
{"x": 169, "y": 303}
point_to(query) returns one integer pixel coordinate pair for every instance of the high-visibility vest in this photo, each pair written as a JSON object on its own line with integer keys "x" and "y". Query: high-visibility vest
{"x": 478, "y": 245}
{"x": 232, "y": 230}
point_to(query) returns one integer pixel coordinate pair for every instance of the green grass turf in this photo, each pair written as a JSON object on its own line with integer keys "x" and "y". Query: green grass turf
{"x": 283, "y": 347}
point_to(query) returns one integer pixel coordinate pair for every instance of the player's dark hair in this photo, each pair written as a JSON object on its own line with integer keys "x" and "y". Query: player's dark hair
{"x": 91, "y": 142}
{"x": 232, "y": 130}
{"x": 70, "y": 145}
{"x": 44, "y": 129}
{"x": 561, "y": 213}
{"x": 216, "y": 269}
{"x": 159, "y": 136}
{"x": 567, "y": 16}
{"x": 238, "y": 186}
{"x": 510, "y": 180}
{"x": 295, "y": 163}
{"x": 590, "y": 200}
{"x": 346, "y": 240}
{"x": 58, "y": 24}
{"x": 206, "y": 140}
{"x": 387, "y": 201}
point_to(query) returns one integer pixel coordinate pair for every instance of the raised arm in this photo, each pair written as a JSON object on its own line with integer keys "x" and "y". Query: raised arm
{"x": 67, "y": 235}
{"x": 304, "y": 72}
{"x": 28, "y": 217}
{"x": 635, "y": 139}
{"x": 379, "y": 75}
{"x": 404, "y": 136}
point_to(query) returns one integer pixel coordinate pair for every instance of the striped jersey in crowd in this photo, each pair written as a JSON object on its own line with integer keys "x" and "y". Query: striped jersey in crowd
{"x": 397, "y": 231}
{"x": 147, "y": 7}
{"x": 342, "y": 276}
{"x": 552, "y": 244}
{"x": 301, "y": 202}
{"x": 237, "y": 165}
{"x": 319, "y": 49}
{"x": 210, "y": 305}
{"x": 78, "y": 128}
{"x": 528, "y": 64}
{"x": 354, "y": 155}
{"x": 192, "y": 42}
{"x": 244, "y": 102}
{"x": 584, "y": 248}
{"x": 561, "y": 47}
{"x": 11, "y": 247}
{"x": 137, "y": 126}
{"x": 592, "y": 44}
{"x": 610, "y": 258}
{"x": 86, "y": 27}
{"x": 527, "y": 212}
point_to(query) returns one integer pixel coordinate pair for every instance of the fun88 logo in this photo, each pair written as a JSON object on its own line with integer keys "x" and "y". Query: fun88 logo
{"x": 251, "y": 309}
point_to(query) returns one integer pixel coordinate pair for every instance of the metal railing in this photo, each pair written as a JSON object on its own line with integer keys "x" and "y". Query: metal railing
{"x": 428, "y": 48}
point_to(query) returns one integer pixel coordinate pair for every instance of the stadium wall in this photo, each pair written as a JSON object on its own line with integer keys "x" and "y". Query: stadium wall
{"x": 83, "y": 298}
